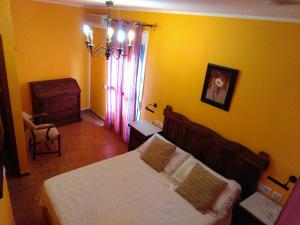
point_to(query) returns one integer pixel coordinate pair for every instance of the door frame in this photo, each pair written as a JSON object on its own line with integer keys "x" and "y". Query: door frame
{"x": 10, "y": 147}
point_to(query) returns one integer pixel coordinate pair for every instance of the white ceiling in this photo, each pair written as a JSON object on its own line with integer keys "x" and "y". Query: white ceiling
{"x": 282, "y": 10}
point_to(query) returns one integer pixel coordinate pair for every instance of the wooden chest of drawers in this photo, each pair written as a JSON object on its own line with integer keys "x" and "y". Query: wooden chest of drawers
{"x": 60, "y": 99}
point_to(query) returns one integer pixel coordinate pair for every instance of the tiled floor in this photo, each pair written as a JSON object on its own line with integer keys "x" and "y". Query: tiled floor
{"x": 83, "y": 143}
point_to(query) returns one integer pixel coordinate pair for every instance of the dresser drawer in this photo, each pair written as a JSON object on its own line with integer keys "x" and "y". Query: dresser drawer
{"x": 60, "y": 103}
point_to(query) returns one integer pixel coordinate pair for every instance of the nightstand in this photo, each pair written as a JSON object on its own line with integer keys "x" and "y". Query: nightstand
{"x": 140, "y": 131}
{"x": 257, "y": 209}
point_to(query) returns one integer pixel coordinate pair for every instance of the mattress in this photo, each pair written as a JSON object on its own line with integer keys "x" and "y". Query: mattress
{"x": 122, "y": 190}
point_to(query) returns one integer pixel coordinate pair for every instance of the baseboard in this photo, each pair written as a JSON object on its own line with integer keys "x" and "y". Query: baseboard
{"x": 24, "y": 174}
{"x": 96, "y": 114}
{"x": 87, "y": 108}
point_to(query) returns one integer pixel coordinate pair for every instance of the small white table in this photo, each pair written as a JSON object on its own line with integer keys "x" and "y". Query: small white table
{"x": 145, "y": 127}
{"x": 140, "y": 131}
{"x": 262, "y": 208}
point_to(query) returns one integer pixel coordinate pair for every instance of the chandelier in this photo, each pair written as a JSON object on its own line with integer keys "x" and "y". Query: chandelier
{"x": 108, "y": 44}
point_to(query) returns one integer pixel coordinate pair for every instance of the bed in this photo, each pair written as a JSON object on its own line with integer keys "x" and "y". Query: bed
{"x": 124, "y": 190}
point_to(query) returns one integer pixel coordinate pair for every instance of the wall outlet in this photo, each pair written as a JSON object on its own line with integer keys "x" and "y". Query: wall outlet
{"x": 265, "y": 189}
{"x": 276, "y": 196}
{"x": 158, "y": 123}
{"x": 260, "y": 186}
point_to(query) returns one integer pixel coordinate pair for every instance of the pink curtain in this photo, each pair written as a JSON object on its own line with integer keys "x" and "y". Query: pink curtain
{"x": 122, "y": 85}
{"x": 290, "y": 214}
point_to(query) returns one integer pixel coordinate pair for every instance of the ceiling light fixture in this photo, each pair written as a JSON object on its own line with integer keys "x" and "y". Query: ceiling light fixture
{"x": 109, "y": 43}
{"x": 110, "y": 47}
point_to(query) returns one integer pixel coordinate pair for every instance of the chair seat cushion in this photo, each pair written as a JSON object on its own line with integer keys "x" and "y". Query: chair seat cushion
{"x": 40, "y": 135}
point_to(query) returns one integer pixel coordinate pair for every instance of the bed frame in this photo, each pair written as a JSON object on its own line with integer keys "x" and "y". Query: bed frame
{"x": 232, "y": 160}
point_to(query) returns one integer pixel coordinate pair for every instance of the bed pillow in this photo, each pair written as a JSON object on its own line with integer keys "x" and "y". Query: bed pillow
{"x": 184, "y": 169}
{"x": 158, "y": 153}
{"x": 201, "y": 188}
{"x": 177, "y": 159}
{"x": 144, "y": 146}
{"x": 230, "y": 193}
{"x": 228, "y": 197}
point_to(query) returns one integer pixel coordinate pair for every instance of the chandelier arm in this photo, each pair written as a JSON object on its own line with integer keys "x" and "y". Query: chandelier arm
{"x": 93, "y": 54}
{"x": 115, "y": 51}
{"x": 94, "y": 51}
{"x": 107, "y": 44}
{"x": 124, "y": 54}
{"x": 115, "y": 56}
{"x": 99, "y": 49}
{"x": 128, "y": 51}
{"x": 100, "y": 45}
{"x": 90, "y": 50}
{"x": 97, "y": 52}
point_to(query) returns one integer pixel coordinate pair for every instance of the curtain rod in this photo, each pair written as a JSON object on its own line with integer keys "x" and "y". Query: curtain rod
{"x": 152, "y": 26}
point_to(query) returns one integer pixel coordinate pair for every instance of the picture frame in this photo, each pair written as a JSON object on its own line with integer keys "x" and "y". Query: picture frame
{"x": 218, "y": 86}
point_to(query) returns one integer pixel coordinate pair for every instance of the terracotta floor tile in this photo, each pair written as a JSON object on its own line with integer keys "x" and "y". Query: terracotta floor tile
{"x": 83, "y": 143}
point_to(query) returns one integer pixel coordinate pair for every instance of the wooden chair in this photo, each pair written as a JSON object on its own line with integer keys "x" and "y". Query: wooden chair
{"x": 41, "y": 133}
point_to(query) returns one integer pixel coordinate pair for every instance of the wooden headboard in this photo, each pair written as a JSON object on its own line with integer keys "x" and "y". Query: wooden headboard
{"x": 230, "y": 159}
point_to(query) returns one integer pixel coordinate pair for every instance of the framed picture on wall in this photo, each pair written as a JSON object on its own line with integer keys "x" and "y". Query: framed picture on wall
{"x": 218, "y": 86}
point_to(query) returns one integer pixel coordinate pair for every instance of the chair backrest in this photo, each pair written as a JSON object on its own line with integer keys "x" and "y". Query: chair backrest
{"x": 28, "y": 121}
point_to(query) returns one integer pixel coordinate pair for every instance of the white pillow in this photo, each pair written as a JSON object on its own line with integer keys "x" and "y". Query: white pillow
{"x": 227, "y": 197}
{"x": 177, "y": 159}
{"x": 184, "y": 169}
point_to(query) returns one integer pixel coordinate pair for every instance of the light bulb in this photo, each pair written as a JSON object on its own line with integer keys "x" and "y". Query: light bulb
{"x": 91, "y": 37}
{"x": 86, "y": 29}
{"x": 131, "y": 35}
{"x": 110, "y": 32}
{"x": 121, "y": 36}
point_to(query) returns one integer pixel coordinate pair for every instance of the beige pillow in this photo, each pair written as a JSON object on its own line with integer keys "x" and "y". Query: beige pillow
{"x": 158, "y": 153}
{"x": 201, "y": 188}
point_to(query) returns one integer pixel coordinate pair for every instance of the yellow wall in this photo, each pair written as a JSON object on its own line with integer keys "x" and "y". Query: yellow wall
{"x": 49, "y": 45}
{"x": 265, "y": 110}
{"x": 13, "y": 85}
{"x": 6, "y": 213}
{"x": 98, "y": 79}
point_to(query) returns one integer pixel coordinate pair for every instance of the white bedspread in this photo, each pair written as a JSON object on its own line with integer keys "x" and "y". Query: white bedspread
{"x": 123, "y": 190}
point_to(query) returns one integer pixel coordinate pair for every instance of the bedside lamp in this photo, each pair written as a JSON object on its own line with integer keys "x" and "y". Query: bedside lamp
{"x": 151, "y": 107}
{"x": 292, "y": 179}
